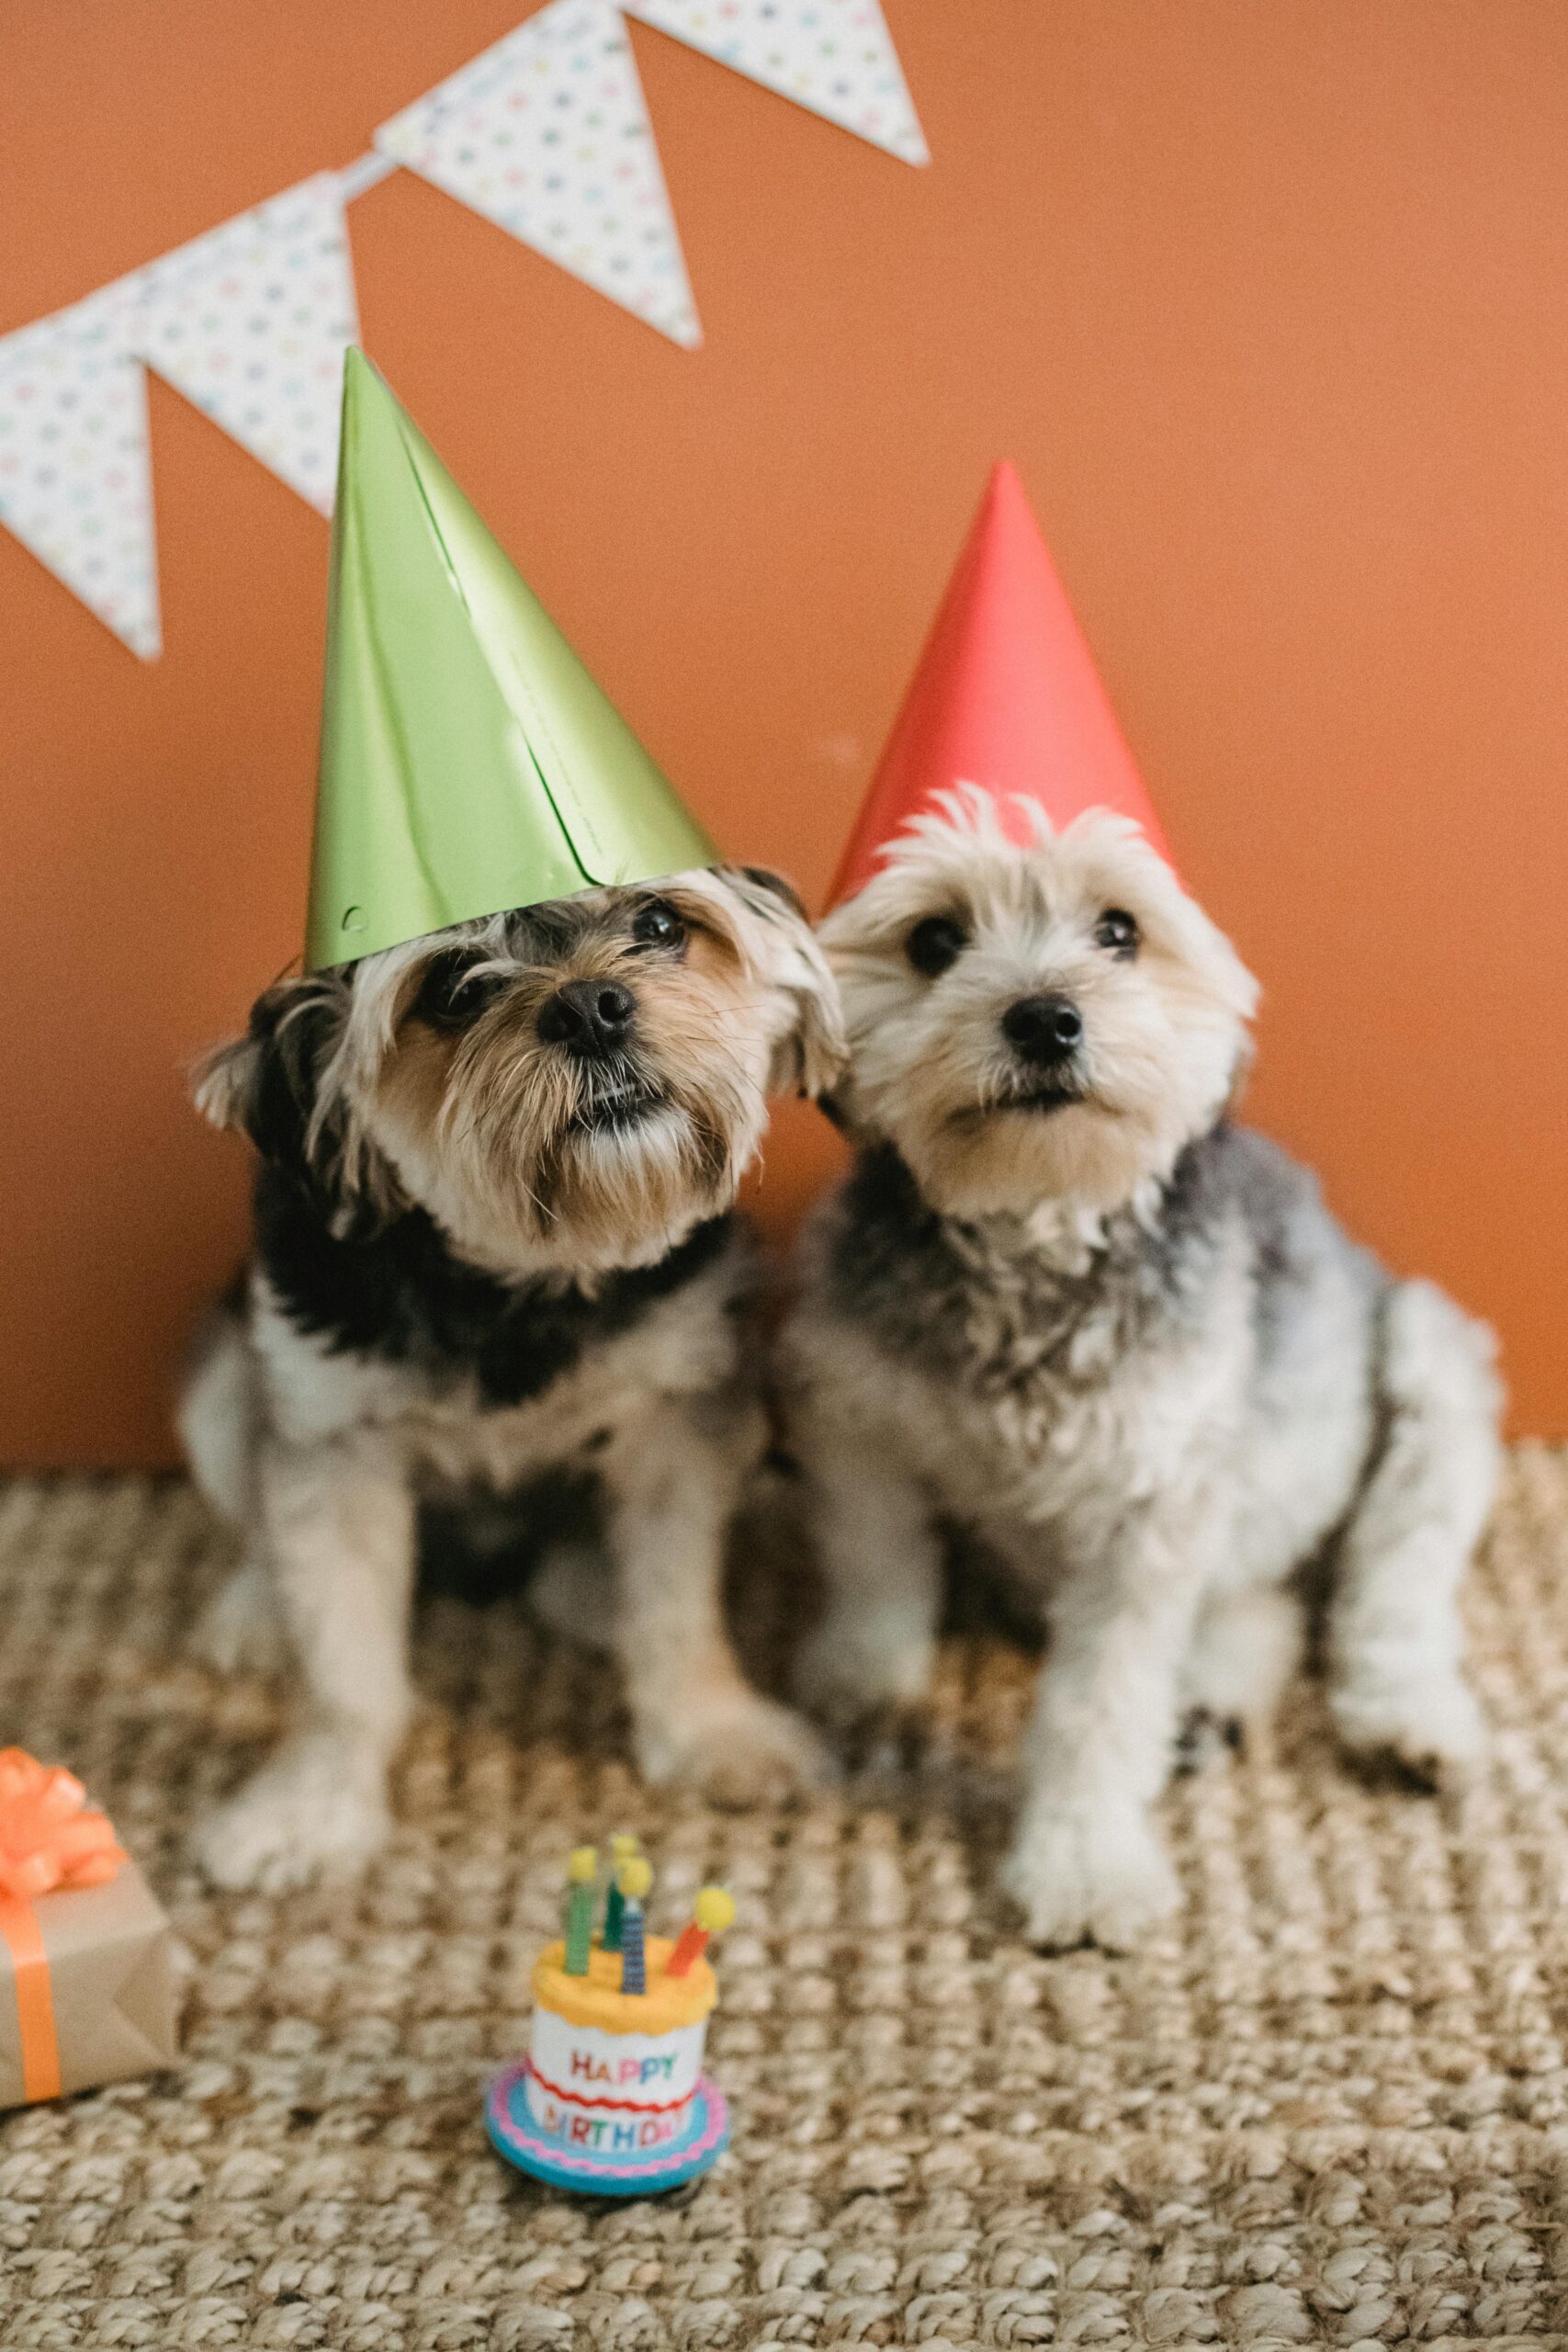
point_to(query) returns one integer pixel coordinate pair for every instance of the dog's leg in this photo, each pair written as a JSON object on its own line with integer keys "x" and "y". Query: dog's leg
{"x": 340, "y": 1528}
{"x": 219, "y": 1417}
{"x": 1246, "y": 1648}
{"x": 672, "y": 1485}
{"x": 881, "y": 1562}
{"x": 1394, "y": 1637}
{"x": 573, "y": 1593}
{"x": 220, "y": 1422}
{"x": 240, "y": 1631}
{"x": 1088, "y": 1861}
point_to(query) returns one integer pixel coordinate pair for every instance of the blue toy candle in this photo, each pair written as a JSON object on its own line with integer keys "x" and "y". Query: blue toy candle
{"x": 635, "y": 1879}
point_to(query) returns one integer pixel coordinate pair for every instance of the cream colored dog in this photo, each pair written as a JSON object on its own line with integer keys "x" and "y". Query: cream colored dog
{"x": 1063, "y": 1301}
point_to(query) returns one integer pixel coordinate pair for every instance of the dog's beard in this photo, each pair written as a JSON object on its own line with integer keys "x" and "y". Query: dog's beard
{"x": 529, "y": 1158}
{"x": 1017, "y": 1141}
{"x": 986, "y": 1136}
{"x": 1009, "y": 1158}
{"x": 633, "y": 1161}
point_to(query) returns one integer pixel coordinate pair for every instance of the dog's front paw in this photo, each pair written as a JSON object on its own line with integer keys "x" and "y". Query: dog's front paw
{"x": 752, "y": 1752}
{"x": 850, "y": 1676}
{"x": 318, "y": 1809}
{"x": 1080, "y": 1873}
{"x": 1432, "y": 1726}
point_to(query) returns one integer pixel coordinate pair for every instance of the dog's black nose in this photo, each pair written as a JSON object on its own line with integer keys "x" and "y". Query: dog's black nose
{"x": 1044, "y": 1030}
{"x": 588, "y": 1017}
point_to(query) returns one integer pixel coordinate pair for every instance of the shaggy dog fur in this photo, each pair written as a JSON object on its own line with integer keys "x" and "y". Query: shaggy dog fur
{"x": 1064, "y": 1302}
{"x": 494, "y": 1242}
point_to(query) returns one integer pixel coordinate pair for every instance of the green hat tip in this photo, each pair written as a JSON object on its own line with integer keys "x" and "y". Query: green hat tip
{"x": 468, "y": 763}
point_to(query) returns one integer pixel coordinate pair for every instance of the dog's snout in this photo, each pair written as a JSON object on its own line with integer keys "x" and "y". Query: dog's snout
{"x": 1044, "y": 1030}
{"x": 588, "y": 1017}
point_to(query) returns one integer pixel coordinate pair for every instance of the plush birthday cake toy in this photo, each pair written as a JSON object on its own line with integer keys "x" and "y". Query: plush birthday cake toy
{"x": 611, "y": 2098}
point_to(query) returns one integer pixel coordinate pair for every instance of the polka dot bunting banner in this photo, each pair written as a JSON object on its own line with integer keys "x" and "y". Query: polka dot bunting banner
{"x": 251, "y": 322}
{"x": 547, "y": 134}
{"x": 75, "y": 474}
{"x": 834, "y": 56}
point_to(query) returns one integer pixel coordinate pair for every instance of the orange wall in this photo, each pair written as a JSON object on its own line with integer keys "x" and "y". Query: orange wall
{"x": 1270, "y": 304}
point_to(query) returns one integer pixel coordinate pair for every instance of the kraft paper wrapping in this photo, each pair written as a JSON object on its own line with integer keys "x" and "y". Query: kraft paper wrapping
{"x": 111, "y": 1981}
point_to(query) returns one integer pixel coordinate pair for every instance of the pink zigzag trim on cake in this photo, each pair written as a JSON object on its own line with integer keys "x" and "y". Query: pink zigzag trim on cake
{"x": 717, "y": 2124}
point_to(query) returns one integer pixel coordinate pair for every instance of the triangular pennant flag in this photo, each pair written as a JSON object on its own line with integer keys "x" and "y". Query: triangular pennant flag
{"x": 546, "y": 133}
{"x": 75, "y": 474}
{"x": 834, "y": 56}
{"x": 251, "y": 322}
{"x": 469, "y": 763}
{"x": 1006, "y": 696}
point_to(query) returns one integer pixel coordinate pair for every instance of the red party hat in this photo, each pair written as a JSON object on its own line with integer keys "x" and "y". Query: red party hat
{"x": 1006, "y": 696}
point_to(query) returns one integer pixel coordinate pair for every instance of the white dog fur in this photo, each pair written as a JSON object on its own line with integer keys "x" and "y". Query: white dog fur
{"x": 1063, "y": 1301}
{"x": 493, "y": 1242}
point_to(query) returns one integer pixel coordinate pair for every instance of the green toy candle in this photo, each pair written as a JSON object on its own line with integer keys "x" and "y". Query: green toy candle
{"x": 713, "y": 1911}
{"x": 579, "y": 1873}
{"x": 635, "y": 1878}
{"x": 623, "y": 1848}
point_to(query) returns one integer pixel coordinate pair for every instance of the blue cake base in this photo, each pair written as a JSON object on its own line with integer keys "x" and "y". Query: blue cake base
{"x": 514, "y": 2135}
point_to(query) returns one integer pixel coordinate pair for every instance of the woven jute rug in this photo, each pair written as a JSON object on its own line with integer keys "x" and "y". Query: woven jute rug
{"x": 1331, "y": 2106}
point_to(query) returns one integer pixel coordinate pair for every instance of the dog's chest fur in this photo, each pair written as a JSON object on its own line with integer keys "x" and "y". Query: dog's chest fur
{"x": 1030, "y": 1357}
{"x": 483, "y": 1378}
{"x": 981, "y": 1304}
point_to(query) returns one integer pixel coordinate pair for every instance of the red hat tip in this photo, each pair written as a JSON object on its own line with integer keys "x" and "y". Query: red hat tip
{"x": 1006, "y": 696}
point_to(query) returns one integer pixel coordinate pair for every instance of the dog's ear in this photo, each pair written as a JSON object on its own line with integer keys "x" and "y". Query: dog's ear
{"x": 267, "y": 1084}
{"x": 771, "y": 885}
{"x": 811, "y": 1052}
{"x": 1247, "y": 1054}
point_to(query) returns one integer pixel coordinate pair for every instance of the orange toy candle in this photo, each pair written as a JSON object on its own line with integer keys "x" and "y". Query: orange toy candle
{"x": 711, "y": 1914}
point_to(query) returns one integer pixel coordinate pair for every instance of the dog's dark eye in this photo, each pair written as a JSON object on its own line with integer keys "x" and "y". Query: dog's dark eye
{"x": 448, "y": 997}
{"x": 935, "y": 944}
{"x": 658, "y": 925}
{"x": 1118, "y": 930}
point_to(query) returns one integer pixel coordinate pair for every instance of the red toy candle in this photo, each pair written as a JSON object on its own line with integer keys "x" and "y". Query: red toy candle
{"x": 712, "y": 1913}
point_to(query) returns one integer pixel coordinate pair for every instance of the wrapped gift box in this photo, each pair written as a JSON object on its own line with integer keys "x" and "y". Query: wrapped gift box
{"x": 88, "y": 1983}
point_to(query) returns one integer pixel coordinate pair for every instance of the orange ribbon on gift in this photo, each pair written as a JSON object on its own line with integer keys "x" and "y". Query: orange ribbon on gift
{"x": 51, "y": 1840}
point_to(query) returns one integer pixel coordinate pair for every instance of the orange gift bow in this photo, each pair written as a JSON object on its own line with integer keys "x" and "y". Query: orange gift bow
{"x": 51, "y": 1840}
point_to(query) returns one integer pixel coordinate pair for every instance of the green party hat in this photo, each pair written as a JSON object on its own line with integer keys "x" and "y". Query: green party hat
{"x": 468, "y": 761}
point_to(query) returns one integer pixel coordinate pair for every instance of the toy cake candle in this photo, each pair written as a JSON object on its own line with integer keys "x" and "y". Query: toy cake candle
{"x": 612, "y": 2097}
{"x": 623, "y": 1849}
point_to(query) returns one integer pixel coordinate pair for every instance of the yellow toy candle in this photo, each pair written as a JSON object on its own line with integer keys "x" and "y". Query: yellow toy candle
{"x": 713, "y": 1911}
